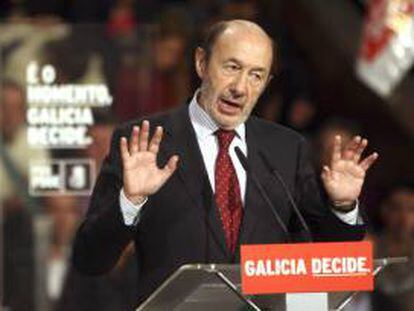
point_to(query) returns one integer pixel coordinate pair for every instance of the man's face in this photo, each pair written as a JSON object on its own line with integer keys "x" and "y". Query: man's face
{"x": 234, "y": 76}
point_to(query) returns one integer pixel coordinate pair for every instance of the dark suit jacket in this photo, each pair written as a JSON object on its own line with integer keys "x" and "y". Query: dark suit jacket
{"x": 180, "y": 223}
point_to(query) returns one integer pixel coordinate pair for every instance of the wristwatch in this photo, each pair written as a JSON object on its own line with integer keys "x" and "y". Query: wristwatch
{"x": 344, "y": 208}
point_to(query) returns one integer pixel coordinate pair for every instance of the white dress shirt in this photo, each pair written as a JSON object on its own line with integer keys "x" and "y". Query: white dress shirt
{"x": 205, "y": 129}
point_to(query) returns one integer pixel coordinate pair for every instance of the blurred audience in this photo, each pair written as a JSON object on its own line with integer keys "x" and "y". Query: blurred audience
{"x": 301, "y": 115}
{"x": 15, "y": 153}
{"x": 17, "y": 206}
{"x": 397, "y": 240}
{"x": 122, "y": 21}
{"x": 153, "y": 84}
{"x": 65, "y": 213}
{"x": 18, "y": 263}
{"x": 240, "y": 9}
{"x": 394, "y": 285}
{"x": 113, "y": 291}
{"x": 270, "y": 105}
{"x": 73, "y": 291}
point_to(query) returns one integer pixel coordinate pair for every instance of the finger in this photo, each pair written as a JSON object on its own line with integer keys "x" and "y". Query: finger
{"x": 143, "y": 138}
{"x": 336, "y": 153}
{"x": 351, "y": 148}
{"x": 368, "y": 161}
{"x": 123, "y": 146}
{"x": 133, "y": 143}
{"x": 360, "y": 150}
{"x": 171, "y": 166}
{"x": 156, "y": 140}
{"x": 326, "y": 172}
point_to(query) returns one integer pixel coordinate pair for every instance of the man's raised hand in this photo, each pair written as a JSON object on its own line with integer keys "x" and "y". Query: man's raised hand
{"x": 141, "y": 175}
{"x": 344, "y": 178}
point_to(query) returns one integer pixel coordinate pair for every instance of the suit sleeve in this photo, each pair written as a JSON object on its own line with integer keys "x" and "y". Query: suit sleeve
{"x": 313, "y": 202}
{"x": 103, "y": 235}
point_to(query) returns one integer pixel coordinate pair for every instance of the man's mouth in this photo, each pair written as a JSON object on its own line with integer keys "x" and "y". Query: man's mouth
{"x": 227, "y": 106}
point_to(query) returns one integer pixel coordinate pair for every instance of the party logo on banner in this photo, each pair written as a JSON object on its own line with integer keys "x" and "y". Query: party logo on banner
{"x": 61, "y": 177}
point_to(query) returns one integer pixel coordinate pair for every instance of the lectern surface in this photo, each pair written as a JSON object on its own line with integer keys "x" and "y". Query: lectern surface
{"x": 202, "y": 287}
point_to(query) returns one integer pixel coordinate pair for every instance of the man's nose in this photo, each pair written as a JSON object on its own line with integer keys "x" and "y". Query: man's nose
{"x": 239, "y": 85}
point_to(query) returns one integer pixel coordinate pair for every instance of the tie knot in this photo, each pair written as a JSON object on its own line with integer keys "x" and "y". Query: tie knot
{"x": 225, "y": 138}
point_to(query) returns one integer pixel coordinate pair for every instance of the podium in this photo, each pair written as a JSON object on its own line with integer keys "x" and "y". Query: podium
{"x": 202, "y": 287}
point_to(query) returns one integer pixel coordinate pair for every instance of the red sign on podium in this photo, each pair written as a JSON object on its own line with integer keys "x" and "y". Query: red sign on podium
{"x": 310, "y": 267}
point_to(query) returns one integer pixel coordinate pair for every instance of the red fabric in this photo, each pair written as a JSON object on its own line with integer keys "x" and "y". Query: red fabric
{"x": 227, "y": 194}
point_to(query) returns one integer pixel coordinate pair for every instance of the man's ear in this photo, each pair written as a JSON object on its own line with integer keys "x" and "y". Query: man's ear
{"x": 270, "y": 78}
{"x": 200, "y": 62}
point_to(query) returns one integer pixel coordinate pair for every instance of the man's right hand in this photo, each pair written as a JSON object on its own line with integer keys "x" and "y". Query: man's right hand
{"x": 142, "y": 176}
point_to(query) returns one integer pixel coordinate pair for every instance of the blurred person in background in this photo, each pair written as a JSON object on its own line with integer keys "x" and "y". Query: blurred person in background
{"x": 18, "y": 264}
{"x": 15, "y": 152}
{"x": 17, "y": 205}
{"x": 396, "y": 239}
{"x": 64, "y": 212}
{"x": 122, "y": 21}
{"x": 115, "y": 291}
{"x": 394, "y": 285}
{"x": 270, "y": 105}
{"x": 145, "y": 87}
{"x": 300, "y": 108}
{"x": 269, "y": 108}
{"x": 248, "y": 10}
{"x": 301, "y": 115}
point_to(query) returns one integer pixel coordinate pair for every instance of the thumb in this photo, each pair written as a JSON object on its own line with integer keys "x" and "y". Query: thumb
{"x": 171, "y": 166}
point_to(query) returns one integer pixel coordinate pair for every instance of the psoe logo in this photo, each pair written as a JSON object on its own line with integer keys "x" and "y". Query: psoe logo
{"x": 44, "y": 178}
{"x": 61, "y": 176}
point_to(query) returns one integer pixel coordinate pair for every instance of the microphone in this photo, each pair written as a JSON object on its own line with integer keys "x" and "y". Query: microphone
{"x": 276, "y": 174}
{"x": 243, "y": 160}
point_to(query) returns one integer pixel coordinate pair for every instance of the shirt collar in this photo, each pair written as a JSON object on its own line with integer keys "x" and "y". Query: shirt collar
{"x": 204, "y": 125}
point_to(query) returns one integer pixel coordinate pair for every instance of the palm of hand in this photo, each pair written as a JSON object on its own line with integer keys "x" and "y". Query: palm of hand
{"x": 141, "y": 175}
{"x": 344, "y": 178}
{"x": 345, "y": 182}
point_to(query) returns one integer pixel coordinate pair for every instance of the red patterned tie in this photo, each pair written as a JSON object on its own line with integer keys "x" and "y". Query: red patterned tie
{"x": 227, "y": 194}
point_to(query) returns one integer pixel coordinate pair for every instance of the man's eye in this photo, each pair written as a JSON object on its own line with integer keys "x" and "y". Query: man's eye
{"x": 232, "y": 67}
{"x": 256, "y": 77}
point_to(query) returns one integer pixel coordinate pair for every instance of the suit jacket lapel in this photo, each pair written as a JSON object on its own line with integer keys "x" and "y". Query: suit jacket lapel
{"x": 193, "y": 174}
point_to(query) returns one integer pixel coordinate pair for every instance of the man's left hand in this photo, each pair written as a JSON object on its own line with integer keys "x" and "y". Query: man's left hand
{"x": 344, "y": 178}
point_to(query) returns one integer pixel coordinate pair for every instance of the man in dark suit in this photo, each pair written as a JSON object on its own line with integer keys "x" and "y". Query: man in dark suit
{"x": 205, "y": 207}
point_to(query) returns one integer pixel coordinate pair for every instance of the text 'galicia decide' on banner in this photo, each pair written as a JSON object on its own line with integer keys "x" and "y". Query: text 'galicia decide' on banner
{"x": 311, "y": 267}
